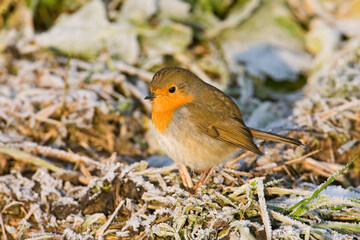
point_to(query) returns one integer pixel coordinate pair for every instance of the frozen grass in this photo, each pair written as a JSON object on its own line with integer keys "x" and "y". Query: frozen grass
{"x": 163, "y": 208}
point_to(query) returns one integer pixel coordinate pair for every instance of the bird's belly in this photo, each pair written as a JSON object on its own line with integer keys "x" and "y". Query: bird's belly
{"x": 186, "y": 145}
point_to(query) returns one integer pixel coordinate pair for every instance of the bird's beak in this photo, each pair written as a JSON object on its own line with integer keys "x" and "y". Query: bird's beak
{"x": 150, "y": 97}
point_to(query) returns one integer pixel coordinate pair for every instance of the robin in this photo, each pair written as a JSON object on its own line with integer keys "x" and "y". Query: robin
{"x": 198, "y": 125}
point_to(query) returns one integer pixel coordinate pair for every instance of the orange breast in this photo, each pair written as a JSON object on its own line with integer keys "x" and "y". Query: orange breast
{"x": 164, "y": 106}
{"x": 161, "y": 120}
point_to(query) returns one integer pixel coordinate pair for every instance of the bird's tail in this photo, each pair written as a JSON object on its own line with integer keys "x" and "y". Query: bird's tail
{"x": 274, "y": 137}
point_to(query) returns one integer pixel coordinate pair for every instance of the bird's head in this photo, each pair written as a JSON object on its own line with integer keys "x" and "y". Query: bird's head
{"x": 171, "y": 88}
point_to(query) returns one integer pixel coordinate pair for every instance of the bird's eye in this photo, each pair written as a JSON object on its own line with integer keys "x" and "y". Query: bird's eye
{"x": 172, "y": 90}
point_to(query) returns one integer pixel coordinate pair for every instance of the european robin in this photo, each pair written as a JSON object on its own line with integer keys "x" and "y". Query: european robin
{"x": 198, "y": 125}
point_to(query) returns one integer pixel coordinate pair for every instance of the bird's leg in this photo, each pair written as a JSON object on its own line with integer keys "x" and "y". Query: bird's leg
{"x": 212, "y": 169}
{"x": 185, "y": 176}
{"x": 204, "y": 177}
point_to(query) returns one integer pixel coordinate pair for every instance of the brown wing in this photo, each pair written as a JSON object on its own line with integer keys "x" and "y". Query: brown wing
{"x": 218, "y": 116}
{"x": 232, "y": 131}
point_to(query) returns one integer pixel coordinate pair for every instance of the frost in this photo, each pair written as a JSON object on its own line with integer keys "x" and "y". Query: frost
{"x": 137, "y": 11}
{"x": 47, "y": 182}
{"x": 70, "y": 234}
{"x": 341, "y": 192}
{"x": 167, "y": 38}
{"x": 77, "y": 192}
{"x": 65, "y": 201}
{"x": 282, "y": 58}
{"x": 287, "y": 232}
{"x": 16, "y": 184}
{"x": 87, "y": 32}
{"x": 174, "y": 9}
{"x": 264, "y": 213}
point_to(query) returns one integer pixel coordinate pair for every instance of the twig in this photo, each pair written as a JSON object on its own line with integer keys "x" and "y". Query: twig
{"x": 141, "y": 73}
{"x": 66, "y": 86}
{"x": 288, "y": 172}
{"x": 2, "y": 227}
{"x": 228, "y": 176}
{"x": 320, "y": 168}
{"x": 237, "y": 173}
{"x": 34, "y": 207}
{"x": 13, "y": 203}
{"x": 296, "y": 160}
{"x": 327, "y": 114}
{"x": 85, "y": 171}
{"x": 331, "y": 150}
{"x": 235, "y": 160}
{"x": 102, "y": 229}
{"x": 152, "y": 171}
{"x": 161, "y": 181}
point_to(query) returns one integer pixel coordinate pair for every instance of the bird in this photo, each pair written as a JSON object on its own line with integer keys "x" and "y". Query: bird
{"x": 198, "y": 125}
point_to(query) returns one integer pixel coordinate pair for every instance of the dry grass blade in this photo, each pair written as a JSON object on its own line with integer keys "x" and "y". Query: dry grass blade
{"x": 352, "y": 227}
{"x": 287, "y": 220}
{"x": 283, "y": 191}
{"x": 46, "y": 236}
{"x": 57, "y": 153}
{"x": 154, "y": 171}
{"x": 263, "y": 209}
{"x": 28, "y": 158}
